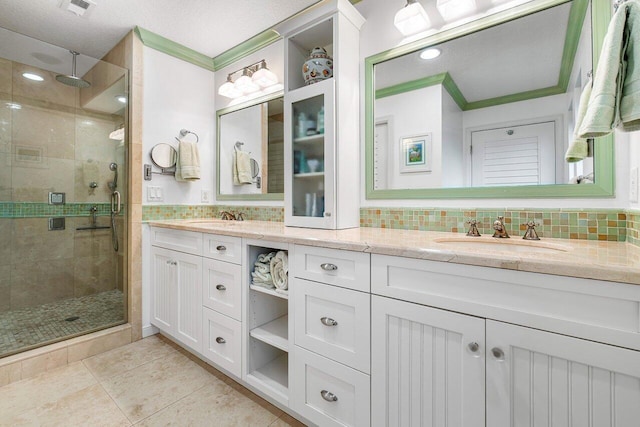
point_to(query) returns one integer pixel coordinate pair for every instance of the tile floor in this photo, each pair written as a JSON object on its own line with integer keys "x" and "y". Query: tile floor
{"x": 152, "y": 382}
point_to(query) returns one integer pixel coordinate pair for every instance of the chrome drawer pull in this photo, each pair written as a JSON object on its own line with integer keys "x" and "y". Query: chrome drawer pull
{"x": 220, "y": 340}
{"x": 328, "y": 267}
{"x": 221, "y": 248}
{"x": 221, "y": 287}
{"x": 328, "y": 396}
{"x": 473, "y": 347}
{"x": 498, "y": 354}
{"x": 327, "y": 321}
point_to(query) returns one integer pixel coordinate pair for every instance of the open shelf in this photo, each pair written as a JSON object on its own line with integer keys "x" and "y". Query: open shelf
{"x": 310, "y": 139}
{"x": 271, "y": 292}
{"x": 308, "y": 175}
{"x": 274, "y": 375}
{"x": 274, "y": 333}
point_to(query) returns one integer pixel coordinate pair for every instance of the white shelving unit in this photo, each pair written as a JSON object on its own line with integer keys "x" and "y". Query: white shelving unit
{"x": 271, "y": 292}
{"x": 274, "y": 333}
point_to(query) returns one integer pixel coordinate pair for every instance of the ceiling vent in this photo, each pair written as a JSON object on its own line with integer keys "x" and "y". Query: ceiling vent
{"x": 78, "y": 7}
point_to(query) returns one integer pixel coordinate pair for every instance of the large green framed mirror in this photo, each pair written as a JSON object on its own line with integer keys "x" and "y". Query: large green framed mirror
{"x": 492, "y": 116}
{"x": 250, "y": 150}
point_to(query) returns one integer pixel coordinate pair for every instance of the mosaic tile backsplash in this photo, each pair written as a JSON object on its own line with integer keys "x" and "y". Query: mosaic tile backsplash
{"x": 586, "y": 224}
{"x": 38, "y": 210}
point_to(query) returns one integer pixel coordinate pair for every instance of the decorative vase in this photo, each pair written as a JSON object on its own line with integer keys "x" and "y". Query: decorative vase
{"x": 317, "y": 67}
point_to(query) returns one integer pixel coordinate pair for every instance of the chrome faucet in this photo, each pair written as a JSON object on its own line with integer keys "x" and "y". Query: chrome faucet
{"x": 230, "y": 216}
{"x": 531, "y": 233}
{"x": 500, "y": 228}
{"x": 473, "y": 228}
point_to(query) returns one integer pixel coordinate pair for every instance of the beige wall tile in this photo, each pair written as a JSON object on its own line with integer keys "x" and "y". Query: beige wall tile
{"x": 82, "y": 348}
{"x": 50, "y": 130}
{"x": 6, "y": 229}
{"x": 92, "y": 243}
{"x": 32, "y": 182}
{"x": 41, "y": 282}
{"x": 5, "y": 288}
{"x": 5, "y": 75}
{"x": 10, "y": 373}
{"x": 94, "y": 274}
{"x": 49, "y": 90}
{"x": 5, "y": 124}
{"x": 32, "y": 242}
{"x": 45, "y": 362}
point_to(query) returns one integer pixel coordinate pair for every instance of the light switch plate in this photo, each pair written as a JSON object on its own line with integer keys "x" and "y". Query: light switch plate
{"x": 633, "y": 185}
{"x": 155, "y": 194}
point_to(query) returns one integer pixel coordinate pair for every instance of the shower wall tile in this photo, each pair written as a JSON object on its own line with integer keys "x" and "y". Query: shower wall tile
{"x": 6, "y": 227}
{"x": 5, "y": 75}
{"x": 32, "y": 242}
{"x": 5, "y": 124}
{"x": 5, "y": 288}
{"x": 49, "y": 132}
{"x": 41, "y": 282}
{"x": 35, "y": 178}
{"x": 49, "y": 90}
{"x": 94, "y": 274}
{"x": 92, "y": 243}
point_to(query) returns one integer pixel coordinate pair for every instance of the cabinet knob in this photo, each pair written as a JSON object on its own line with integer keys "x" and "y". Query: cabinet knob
{"x": 171, "y": 262}
{"x": 328, "y": 267}
{"x": 328, "y": 396}
{"x": 220, "y": 340}
{"x": 221, "y": 248}
{"x": 327, "y": 321}
{"x": 473, "y": 347}
{"x": 498, "y": 354}
{"x": 221, "y": 287}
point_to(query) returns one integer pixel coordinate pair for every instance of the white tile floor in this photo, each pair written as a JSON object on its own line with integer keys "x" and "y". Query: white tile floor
{"x": 151, "y": 382}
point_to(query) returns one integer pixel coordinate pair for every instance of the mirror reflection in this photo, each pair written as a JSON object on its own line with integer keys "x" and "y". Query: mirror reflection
{"x": 251, "y": 150}
{"x": 492, "y": 108}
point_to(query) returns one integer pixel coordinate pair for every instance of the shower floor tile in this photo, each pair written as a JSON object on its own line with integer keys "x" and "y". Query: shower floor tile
{"x": 29, "y": 327}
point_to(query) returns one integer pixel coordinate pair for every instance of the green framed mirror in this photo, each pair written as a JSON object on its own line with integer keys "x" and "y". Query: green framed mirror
{"x": 456, "y": 127}
{"x": 250, "y": 150}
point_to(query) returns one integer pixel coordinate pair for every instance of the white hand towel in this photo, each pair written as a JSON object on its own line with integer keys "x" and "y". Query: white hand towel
{"x": 188, "y": 162}
{"x": 280, "y": 270}
{"x": 242, "y": 168}
{"x": 90, "y": 172}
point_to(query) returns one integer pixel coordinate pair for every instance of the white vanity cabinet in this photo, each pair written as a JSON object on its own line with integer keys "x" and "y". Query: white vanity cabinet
{"x": 176, "y": 285}
{"x": 321, "y": 120}
{"x": 432, "y": 364}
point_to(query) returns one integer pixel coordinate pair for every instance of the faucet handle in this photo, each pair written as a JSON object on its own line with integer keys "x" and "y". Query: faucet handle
{"x": 240, "y": 216}
{"x": 531, "y": 233}
{"x": 473, "y": 228}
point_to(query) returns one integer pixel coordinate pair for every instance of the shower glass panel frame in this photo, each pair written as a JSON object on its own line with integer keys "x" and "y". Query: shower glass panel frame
{"x": 63, "y": 257}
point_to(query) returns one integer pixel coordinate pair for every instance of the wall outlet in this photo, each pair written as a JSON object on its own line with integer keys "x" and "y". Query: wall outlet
{"x": 206, "y": 196}
{"x": 633, "y": 185}
{"x": 155, "y": 194}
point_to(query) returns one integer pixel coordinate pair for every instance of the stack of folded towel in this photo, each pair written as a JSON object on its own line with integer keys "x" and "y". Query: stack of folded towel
{"x": 261, "y": 274}
{"x": 271, "y": 270}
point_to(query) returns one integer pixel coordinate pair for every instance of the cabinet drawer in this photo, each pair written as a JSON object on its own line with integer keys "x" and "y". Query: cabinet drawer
{"x": 178, "y": 240}
{"x": 347, "y": 269}
{"x": 221, "y": 290}
{"x": 222, "y": 344}
{"x": 223, "y": 248}
{"x": 333, "y": 322}
{"x": 328, "y": 393}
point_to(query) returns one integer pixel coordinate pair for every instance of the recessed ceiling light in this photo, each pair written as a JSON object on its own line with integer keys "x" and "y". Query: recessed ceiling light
{"x": 14, "y": 106}
{"x": 32, "y": 76}
{"x": 121, "y": 98}
{"x": 430, "y": 53}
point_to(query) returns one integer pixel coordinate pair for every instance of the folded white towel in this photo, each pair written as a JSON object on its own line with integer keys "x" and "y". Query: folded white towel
{"x": 265, "y": 258}
{"x": 262, "y": 268}
{"x": 242, "y": 168}
{"x": 188, "y": 162}
{"x": 280, "y": 270}
{"x": 90, "y": 172}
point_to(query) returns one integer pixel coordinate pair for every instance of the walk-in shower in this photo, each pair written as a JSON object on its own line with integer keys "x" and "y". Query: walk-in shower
{"x": 62, "y": 224}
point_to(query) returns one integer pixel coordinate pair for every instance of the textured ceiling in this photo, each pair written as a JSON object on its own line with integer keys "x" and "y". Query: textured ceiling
{"x": 207, "y": 26}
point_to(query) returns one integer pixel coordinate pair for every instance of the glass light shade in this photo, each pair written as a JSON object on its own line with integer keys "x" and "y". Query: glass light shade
{"x": 264, "y": 77}
{"x": 32, "y": 76}
{"x": 411, "y": 19}
{"x": 245, "y": 85}
{"x": 452, "y": 10}
{"x": 228, "y": 89}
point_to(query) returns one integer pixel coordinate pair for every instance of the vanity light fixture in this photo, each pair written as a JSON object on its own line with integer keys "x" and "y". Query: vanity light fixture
{"x": 430, "y": 53}
{"x": 452, "y": 10}
{"x": 411, "y": 19}
{"x": 32, "y": 76}
{"x": 255, "y": 79}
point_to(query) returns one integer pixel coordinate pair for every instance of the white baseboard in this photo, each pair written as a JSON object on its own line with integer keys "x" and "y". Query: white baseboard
{"x": 149, "y": 330}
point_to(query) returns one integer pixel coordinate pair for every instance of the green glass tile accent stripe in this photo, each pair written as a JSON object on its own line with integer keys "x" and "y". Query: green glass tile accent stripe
{"x": 37, "y": 210}
{"x": 633, "y": 227}
{"x": 585, "y": 224}
{"x": 254, "y": 213}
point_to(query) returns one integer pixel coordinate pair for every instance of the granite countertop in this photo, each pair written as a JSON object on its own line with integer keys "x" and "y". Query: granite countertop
{"x": 612, "y": 261}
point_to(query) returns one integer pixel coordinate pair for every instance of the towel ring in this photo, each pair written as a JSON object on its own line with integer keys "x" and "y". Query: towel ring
{"x": 184, "y": 132}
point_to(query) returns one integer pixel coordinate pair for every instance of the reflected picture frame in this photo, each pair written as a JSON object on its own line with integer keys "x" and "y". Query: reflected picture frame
{"x": 415, "y": 153}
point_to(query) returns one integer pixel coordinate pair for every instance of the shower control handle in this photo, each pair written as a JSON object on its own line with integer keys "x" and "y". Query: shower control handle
{"x": 221, "y": 287}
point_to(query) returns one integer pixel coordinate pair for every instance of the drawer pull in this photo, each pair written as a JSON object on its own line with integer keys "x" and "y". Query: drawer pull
{"x": 220, "y": 340}
{"x": 328, "y": 267}
{"x": 473, "y": 347}
{"x": 327, "y": 321}
{"x": 221, "y": 248}
{"x": 171, "y": 262}
{"x": 221, "y": 287}
{"x": 498, "y": 354}
{"x": 328, "y": 396}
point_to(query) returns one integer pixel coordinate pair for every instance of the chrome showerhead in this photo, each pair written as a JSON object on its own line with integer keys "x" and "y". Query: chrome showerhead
{"x": 73, "y": 80}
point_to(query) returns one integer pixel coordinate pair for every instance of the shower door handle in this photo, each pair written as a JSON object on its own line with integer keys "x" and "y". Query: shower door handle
{"x": 115, "y": 202}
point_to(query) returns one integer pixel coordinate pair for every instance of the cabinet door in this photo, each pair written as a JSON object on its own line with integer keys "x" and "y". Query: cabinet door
{"x": 537, "y": 378}
{"x": 427, "y": 366}
{"x": 163, "y": 279}
{"x": 188, "y": 301}
{"x": 310, "y": 157}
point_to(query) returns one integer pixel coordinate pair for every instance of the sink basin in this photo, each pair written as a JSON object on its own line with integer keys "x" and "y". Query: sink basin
{"x": 212, "y": 222}
{"x": 502, "y": 245}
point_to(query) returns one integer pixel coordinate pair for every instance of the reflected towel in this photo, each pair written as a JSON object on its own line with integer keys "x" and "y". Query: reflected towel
{"x": 90, "y": 171}
{"x": 579, "y": 148}
{"x": 616, "y": 86}
{"x": 280, "y": 270}
{"x": 241, "y": 168}
{"x": 188, "y": 162}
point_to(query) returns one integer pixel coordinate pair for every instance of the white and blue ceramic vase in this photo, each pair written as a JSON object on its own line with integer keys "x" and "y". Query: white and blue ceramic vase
{"x": 317, "y": 67}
